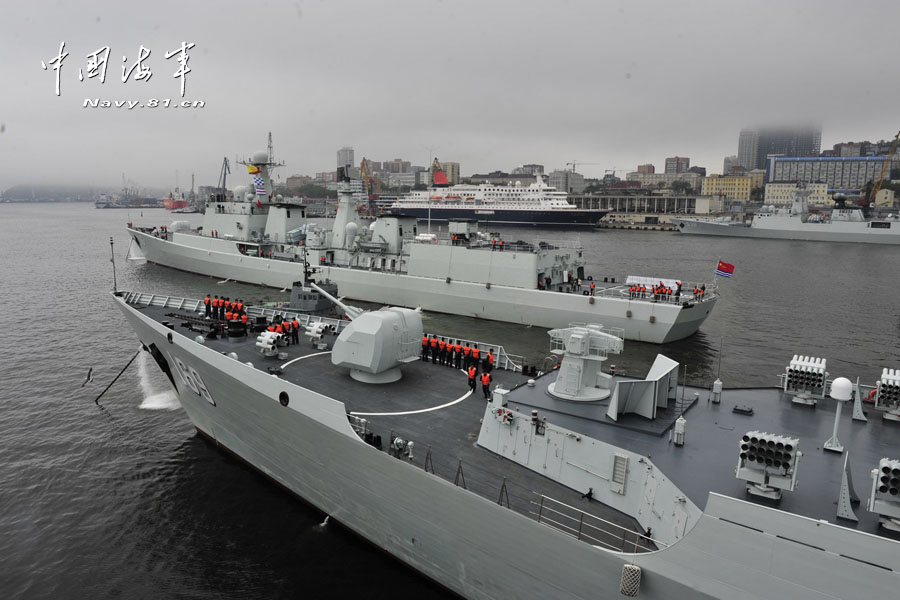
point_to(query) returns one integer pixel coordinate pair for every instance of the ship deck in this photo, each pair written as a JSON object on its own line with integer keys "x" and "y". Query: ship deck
{"x": 431, "y": 407}
{"x": 708, "y": 459}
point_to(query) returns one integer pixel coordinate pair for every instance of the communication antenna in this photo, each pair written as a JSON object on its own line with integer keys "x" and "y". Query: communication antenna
{"x": 271, "y": 150}
{"x": 112, "y": 259}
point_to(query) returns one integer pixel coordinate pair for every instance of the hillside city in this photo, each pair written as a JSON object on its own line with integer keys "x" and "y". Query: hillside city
{"x": 768, "y": 164}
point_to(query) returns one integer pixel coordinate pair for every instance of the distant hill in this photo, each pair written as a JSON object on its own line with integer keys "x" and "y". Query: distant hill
{"x": 64, "y": 193}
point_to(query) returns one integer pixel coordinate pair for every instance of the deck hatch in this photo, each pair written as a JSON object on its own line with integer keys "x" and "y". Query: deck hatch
{"x": 619, "y": 473}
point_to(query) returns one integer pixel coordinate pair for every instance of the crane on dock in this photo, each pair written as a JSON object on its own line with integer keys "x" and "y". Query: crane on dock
{"x": 885, "y": 169}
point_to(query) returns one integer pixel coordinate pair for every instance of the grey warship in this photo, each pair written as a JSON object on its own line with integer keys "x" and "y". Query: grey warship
{"x": 264, "y": 239}
{"x": 569, "y": 483}
{"x": 843, "y": 224}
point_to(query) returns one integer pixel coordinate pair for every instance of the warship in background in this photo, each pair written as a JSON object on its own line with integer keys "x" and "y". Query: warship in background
{"x": 843, "y": 224}
{"x": 536, "y": 204}
{"x": 265, "y": 239}
{"x": 580, "y": 483}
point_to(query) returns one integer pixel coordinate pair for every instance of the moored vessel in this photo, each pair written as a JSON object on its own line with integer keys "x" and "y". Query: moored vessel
{"x": 264, "y": 239}
{"x": 843, "y": 224}
{"x": 535, "y": 204}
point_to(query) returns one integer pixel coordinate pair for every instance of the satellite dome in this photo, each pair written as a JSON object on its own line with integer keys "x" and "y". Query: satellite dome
{"x": 239, "y": 191}
{"x": 260, "y": 157}
{"x": 351, "y": 229}
{"x": 841, "y": 389}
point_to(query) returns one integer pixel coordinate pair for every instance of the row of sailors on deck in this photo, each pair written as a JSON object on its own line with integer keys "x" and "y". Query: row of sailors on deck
{"x": 447, "y": 353}
{"x": 224, "y": 309}
{"x": 664, "y": 292}
{"x": 290, "y": 328}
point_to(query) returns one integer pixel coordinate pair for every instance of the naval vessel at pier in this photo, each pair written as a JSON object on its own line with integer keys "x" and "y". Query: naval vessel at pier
{"x": 796, "y": 222}
{"x": 569, "y": 483}
{"x": 264, "y": 239}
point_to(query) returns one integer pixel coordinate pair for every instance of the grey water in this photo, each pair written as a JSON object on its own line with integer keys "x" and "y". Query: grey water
{"x": 125, "y": 500}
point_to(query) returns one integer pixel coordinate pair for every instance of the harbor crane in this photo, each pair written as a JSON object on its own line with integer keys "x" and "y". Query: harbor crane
{"x": 870, "y": 199}
{"x": 574, "y": 163}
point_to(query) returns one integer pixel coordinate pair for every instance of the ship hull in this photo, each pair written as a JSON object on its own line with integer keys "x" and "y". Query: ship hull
{"x": 474, "y": 546}
{"x": 796, "y": 230}
{"x": 542, "y": 218}
{"x": 641, "y": 321}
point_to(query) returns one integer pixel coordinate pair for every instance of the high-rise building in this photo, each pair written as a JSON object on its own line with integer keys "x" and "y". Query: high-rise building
{"x": 531, "y": 169}
{"x": 648, "y": 168}
{"x": 748, "y": 143}
{"x": 848, "y": 173}
{"x": 398, "y": 165}
{"x": 729, "y": 163}
{"x": 756, "y": 145}
{"x": 567, "y": 181}
{"x": 345, "y": 156}
{"x": 677, "y": 164}
{"x": 451, "y": 170}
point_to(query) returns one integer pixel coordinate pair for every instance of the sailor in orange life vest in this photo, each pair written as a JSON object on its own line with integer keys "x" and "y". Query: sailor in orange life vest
{"x": 472, "y": 372}
{"x": 287, "y": 332}
{"x": 206, "y": 301}
{"x": 424, "y": 347}
{"x": 458, "y": 349}
{"x": 434, "y": 348}
{"x": 442, "y": 351}
{"x": 486, "y": 385}
{"x": 295, "y": 331}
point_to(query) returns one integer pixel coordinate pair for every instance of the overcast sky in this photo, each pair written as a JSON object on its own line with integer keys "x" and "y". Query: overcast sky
{"x": 490, "y": 85}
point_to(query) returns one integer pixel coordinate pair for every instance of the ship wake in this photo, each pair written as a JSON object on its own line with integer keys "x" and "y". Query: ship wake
{"x": 155, "y": 397}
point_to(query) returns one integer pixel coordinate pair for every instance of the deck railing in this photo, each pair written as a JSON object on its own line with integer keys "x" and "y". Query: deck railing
{"x": 197, "y": 306}
{"x": 590, "y": 528}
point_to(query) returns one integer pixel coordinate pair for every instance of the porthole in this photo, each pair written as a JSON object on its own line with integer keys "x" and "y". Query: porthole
{"x": 283, "y": 398}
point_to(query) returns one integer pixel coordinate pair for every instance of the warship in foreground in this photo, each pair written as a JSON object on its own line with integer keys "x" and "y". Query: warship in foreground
{"x": 263, "y": 239}
{"x": 572, "y": 483}
{"x": 844, "y": 224}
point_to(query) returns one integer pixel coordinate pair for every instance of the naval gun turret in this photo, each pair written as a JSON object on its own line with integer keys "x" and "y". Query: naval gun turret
{"x": 584, "y": 348}
{"x": 376, "y": 343}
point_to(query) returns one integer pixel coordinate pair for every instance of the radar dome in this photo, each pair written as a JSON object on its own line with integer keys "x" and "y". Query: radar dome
{"x": 350, "y": 230}
{"x": 841, "y": 389}
{"x": 260, "y": 157}
{"x": 239, "y": 191}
